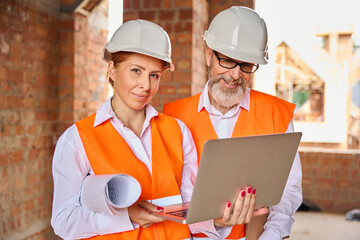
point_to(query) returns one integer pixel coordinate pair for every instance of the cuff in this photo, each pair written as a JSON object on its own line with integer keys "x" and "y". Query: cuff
{"x": 269, "y": 234}
{"x": 209, "y": 229}
{"x": 115, "y": 223}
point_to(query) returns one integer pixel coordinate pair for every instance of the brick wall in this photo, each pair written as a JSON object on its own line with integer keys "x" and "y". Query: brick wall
{"x": 49, "y": 68}
{"x": 28, "y": 117}
{"x": 331, "y": 179}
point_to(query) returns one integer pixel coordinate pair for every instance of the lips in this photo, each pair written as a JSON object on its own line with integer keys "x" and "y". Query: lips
{"x": 232, "y": 84}
{"x": 141, "y": 97}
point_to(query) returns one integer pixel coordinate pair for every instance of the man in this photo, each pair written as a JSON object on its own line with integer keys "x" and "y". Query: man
{"x": 236, "y": 45}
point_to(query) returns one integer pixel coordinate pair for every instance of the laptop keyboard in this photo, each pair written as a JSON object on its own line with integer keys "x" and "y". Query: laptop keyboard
{"x": 179, "y": 213}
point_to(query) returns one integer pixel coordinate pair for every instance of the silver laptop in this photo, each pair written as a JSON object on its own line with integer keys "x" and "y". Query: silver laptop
{"x": 262, "y": 162}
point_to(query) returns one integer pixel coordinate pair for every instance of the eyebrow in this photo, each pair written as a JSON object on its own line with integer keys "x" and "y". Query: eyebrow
{"x": 141, "y": 67}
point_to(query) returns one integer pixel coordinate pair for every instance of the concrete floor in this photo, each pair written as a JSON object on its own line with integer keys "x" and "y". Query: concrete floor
{"x": 324, "y": 226}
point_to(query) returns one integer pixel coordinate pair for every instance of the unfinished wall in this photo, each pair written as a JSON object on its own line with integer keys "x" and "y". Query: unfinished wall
{"x": 331, "y": 179}
{"x": 49, "y": 67}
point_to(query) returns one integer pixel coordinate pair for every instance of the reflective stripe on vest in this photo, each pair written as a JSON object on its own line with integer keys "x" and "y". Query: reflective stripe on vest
{"x": 267, "y": 115}
{"x": 108, "y": 153}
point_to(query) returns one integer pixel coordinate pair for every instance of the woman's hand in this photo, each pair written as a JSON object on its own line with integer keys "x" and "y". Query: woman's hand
{"x": 139, "y": 213}
{"x": 243, "y": 210}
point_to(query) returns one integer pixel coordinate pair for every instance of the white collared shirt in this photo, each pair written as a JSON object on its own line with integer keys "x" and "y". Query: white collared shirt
{"x": 280, "y": 219}
{"x": 70, "y": 219}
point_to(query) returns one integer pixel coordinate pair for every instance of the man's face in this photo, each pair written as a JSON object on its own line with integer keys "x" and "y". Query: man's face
{"x": 226, "y": 86}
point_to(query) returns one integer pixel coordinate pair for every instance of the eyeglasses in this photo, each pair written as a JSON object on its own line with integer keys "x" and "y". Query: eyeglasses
{"x": 230, "y": 64}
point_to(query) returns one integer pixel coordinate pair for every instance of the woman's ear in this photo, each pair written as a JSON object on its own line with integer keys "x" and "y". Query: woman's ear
{"x": 111, "y": 68}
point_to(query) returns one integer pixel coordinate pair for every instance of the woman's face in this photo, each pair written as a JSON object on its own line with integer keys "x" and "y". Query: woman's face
{"x": 136, "y": 80}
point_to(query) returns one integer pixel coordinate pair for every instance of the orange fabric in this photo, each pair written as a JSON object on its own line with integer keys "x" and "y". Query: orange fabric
{"x": 267, "y": 115}
{"x": 108, "y": 153}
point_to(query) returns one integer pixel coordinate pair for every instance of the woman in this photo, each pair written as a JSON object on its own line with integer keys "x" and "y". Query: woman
{"x": 127, "y": 135}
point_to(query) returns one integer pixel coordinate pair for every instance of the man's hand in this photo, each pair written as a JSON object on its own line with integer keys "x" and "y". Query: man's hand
{"x": 243, "y": 210}
{"x": 139, "y": 213}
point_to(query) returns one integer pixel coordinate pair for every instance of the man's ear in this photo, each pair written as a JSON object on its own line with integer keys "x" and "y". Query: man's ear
{"x": 208, "y": 56}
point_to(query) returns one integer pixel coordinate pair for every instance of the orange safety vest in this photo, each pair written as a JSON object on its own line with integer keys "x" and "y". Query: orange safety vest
{"x": 108, "y": 153}
{"x": 267, "y": 115}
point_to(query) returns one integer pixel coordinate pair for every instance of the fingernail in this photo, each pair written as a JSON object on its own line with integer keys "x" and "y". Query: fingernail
{"x": 160, "y": 208}
{"x": 242, "y": 193}
{"x": 249, "y": 190}
{"x": 254, "y": 191}
{"x": 229, "y": 204}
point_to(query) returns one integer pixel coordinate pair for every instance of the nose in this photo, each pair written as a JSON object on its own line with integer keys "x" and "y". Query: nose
{"x": 236, "y": 72}
{"x": 144, "y": 83}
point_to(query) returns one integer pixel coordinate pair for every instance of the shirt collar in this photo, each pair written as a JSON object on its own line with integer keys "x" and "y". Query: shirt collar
{"x": 204, "y": 102}
{"x": 106, "y": 112}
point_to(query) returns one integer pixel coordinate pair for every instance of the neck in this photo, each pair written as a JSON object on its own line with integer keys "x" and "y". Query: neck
{"x": 132, "y": 119}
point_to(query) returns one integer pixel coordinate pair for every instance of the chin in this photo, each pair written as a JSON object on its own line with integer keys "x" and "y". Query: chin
{"x": 227, "y": 97}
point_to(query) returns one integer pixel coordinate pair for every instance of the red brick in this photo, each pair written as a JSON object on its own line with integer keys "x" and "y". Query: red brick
{"x": 322, "y": 172}
{"x": 4, "y": 159}
{"x": 15, "y": 210}
{"x": 346, "y": 162}
{"x": 325, "y": 182}
{"x": 183, "y": 38}
{"x": 167, "y": 89}
{"x": 15, "y": 75}
{"x": 14, "y": 101}
{"x": 345, "y": 173}
{"x": 33, "y": 154}
{"x": 4, "y": 185}
{"x": 127, "y": 4}
{"x": 147, "y": 15}
{"x": 17, "y": 156}
{"x": 3, "y": 73}
{"x": 167, "y": 15}
{"x": 29, "y": 102}
{"x": 29, "y": 205}
{"x": 17, "y": 49}
{"x": 343, "y": 183}
{"x": 3, "y": 102}
{"x": 19, "y": 182}
{"x": 147, "y": 4}
{"x": 67, "y": 24}
{"x": 183, "y": 65}
{"x": 66, "y": 116}
{"x": 183, "y": 90}
{"x": 329, "y": 162}
{"x": 167, "y": 3}
{"x": 186, "y": 14}
{"x": 31, "y": 179}
{"x": 130, "y": 15}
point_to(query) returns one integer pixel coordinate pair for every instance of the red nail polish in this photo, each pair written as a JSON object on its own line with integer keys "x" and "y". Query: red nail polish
{"x": 160, "y": 208}
{"x": 249, "y": 190}
{"x": 254, "y": 191}
{"x": 242, "y": 193}
{"x": 229, "y": 204}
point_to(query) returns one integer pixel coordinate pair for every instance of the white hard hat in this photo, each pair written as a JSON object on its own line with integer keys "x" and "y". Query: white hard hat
{"x": 140, "y": 36}
{"x": 239, "y": 33}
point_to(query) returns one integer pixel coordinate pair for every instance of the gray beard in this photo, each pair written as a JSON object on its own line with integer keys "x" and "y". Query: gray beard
{"x": 224, "y": 96}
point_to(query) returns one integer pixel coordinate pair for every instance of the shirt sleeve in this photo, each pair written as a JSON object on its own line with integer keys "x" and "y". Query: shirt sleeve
{"x": 280, "y": 220}
{"x": 71, "y": 220}
{"x": 190, "y": 167}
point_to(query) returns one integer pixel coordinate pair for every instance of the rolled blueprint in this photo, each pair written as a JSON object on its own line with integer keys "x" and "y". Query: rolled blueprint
{"x": 109, "y": 192}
